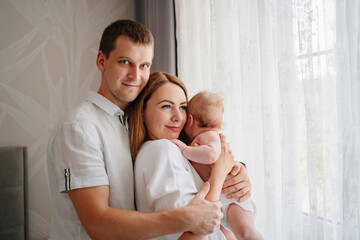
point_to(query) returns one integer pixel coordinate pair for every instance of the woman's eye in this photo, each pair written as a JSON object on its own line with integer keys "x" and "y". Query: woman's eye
{"x": 165, "y": 106}
{"x": 183, "y": 107}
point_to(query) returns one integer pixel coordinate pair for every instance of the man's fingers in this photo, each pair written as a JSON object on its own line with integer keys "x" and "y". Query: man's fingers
{"x": 235, "y": 169}
{"x": 240, "y": 177}
{"x": 232, "y": 181}
{"x": 218, "y": 206}
{"x": 245, "y": 197}
{"x": 236, "y": 187}
{"x": 242, "y": 195}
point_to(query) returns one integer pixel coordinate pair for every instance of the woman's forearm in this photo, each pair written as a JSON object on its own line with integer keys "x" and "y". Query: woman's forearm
{"x": 216, "y": 181}
{"x": 219, "y": 171}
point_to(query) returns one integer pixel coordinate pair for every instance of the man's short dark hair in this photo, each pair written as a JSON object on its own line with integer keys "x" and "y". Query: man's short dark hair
{"x": 134, "y": 30}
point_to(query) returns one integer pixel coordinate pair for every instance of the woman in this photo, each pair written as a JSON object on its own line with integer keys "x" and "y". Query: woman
{"x": 164, "y": 179}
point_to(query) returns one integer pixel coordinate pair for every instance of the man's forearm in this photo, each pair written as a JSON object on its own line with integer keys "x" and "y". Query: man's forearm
{"x": 103, "y": 222}
{"x": 128, "y": 224}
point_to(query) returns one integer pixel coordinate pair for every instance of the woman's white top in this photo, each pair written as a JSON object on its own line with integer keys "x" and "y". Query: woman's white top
{"x": 165, "y": 180}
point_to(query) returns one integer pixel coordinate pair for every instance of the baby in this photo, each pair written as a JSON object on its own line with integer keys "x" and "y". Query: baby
{"x": 205, "y": 111}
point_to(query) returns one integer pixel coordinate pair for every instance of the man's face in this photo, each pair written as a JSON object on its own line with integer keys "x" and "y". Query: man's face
{"x": 125, "y": 72}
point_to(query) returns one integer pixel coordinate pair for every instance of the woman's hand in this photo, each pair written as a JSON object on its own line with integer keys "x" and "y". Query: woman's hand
{"x": 226, "y": 161}
{"x": 238, "y": 184}
{"x": 219, "y": 171}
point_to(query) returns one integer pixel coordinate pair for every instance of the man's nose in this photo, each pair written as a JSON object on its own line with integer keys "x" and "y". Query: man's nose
{"x": 134, "y": 73}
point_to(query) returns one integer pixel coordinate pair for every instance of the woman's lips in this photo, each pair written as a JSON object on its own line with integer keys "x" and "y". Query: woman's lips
{"x": 175, "y": 129}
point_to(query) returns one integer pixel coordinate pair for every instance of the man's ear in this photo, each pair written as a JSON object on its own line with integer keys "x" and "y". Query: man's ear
{"x": 100, "y": 61}
{"x": 190, "y": 120}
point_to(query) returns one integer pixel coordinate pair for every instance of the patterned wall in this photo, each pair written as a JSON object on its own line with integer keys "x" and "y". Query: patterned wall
{"x": 47, "y": 64}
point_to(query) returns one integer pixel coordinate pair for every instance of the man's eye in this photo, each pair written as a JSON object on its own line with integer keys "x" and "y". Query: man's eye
{"x": 124, "y": 61}
{"x": 144, "y": 66}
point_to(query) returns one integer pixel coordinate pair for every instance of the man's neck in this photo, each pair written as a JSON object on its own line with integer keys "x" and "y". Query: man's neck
{"x": 109, "y": 96}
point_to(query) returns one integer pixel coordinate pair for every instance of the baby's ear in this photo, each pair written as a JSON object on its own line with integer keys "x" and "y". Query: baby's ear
{"x": 190, "y": 120}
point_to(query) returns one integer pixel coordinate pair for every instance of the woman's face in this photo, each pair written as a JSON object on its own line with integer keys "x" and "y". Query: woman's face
{"x": 165, "y": 112}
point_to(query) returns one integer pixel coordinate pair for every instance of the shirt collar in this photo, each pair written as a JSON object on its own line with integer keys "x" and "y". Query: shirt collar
{"x": 104, "y": 104}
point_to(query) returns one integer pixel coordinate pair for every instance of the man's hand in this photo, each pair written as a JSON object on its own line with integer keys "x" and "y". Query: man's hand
{"x": 205, "y": 215}
{"x": 238, "y": 185}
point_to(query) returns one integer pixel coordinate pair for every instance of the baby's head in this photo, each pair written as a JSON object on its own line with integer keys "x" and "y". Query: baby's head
{"x": 205, "y": 111}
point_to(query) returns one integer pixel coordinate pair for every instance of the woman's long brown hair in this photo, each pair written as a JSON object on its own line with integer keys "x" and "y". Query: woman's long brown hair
{"x": 136, "y": 108}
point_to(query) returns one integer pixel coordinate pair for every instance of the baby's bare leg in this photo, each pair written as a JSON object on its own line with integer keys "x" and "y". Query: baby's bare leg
{"x": 241, "y": 223}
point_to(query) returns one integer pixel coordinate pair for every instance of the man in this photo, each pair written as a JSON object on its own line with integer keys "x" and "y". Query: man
{"x": 89, "y": 160}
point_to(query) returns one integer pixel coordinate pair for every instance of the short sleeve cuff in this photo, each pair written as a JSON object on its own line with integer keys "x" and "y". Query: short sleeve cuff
{"x": 70, "y": 182}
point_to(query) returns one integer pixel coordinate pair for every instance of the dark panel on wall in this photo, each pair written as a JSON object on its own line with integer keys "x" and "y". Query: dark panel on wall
{"x": 158, "y": 16}
{"x": 13, "y": 207}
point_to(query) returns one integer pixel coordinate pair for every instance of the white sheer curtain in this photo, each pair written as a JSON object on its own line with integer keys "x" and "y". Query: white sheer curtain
{"x": 289, "y": 73}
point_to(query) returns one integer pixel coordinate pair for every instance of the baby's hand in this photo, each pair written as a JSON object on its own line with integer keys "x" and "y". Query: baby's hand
{"x": 179, "y": 143}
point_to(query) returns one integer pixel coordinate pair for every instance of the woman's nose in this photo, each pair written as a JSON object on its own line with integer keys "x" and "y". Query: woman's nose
{"x": 176, "y": 116}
